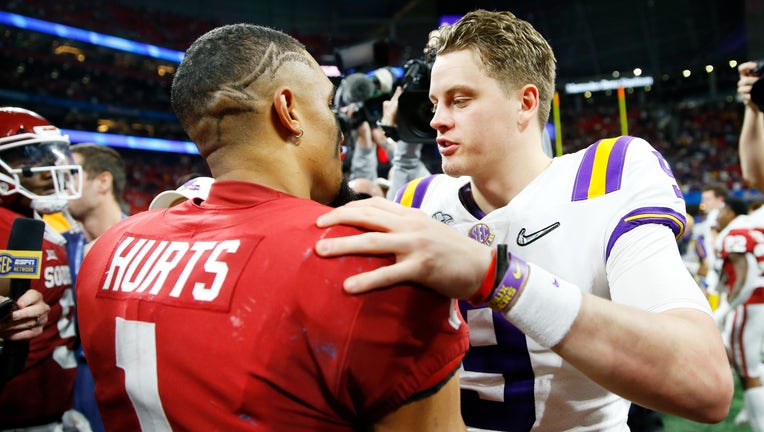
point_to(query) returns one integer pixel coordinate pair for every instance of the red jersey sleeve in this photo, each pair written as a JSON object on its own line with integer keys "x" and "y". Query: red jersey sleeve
{"x": 405, "y": 340}
{"x": 737, "y": 241}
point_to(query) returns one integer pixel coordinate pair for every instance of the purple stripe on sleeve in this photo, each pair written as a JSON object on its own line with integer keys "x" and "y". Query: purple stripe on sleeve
{"x": 584, "y": 176}
{"x": 678, "y": 192}
{"x": 615, "y": 164}
{"x": 660, "y": 215}
{"x": 421, "y": 189}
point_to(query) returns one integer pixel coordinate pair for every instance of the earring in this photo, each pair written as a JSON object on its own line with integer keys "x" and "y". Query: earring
{"x": 301, "y": 133}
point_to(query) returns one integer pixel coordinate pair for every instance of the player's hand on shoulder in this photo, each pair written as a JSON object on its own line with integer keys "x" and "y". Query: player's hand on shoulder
{"x": 427, "y": 252}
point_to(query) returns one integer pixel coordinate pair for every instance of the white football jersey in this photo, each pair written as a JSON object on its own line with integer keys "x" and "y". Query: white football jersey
{"x": 567, "y": 221}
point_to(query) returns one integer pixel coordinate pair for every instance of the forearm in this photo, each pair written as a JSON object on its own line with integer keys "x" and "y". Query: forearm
{"x": 672, "y": 362}
{"x": 363, "y": 164}
{"x": 656, "y": 342}
{"x": 407, "y": 166}
{"x": 752, "y": 146}
{"x": 653, "y": 341}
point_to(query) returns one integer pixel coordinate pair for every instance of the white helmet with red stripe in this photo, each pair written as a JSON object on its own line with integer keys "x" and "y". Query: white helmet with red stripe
{"x": 36, "y": 162}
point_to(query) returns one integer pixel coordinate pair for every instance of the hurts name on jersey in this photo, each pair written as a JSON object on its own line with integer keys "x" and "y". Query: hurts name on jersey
{"x": 192, "y": 273}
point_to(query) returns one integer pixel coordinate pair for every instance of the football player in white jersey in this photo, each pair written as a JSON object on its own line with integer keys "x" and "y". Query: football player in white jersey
{"x": 589, "y": 303}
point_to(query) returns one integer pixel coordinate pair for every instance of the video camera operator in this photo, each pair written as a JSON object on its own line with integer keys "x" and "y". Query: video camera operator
{"x": 408, "y": 128}
{"x": 751, "y": 90}
{"x": 355, "y": 106}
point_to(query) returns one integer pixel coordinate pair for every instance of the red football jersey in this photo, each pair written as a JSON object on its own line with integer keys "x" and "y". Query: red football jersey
{"x": 43, "y": 390}
{"x": 745, "y": 241}
{"x": 220, "y": 316}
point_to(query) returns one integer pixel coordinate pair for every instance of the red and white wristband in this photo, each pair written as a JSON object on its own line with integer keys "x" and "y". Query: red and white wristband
{"x": 538, "y": 303}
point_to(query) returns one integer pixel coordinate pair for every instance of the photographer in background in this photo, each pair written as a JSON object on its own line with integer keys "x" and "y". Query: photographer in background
{"x": 355, "y": 102}
{"x": 367, "y": 146}
{"x": 751, "y": 90}
{"x": 407, "y": 162}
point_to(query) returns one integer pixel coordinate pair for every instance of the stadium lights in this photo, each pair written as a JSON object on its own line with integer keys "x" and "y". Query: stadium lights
{"x": 120, "y": 44}
{"x": 113, "y": 42}
{"x": 603, "y": 85}
{"x": 104, "y": 40}
{"x": 131, "y": 142}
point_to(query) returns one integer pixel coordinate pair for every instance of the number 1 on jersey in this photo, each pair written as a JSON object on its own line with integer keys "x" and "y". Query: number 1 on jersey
{"x": 137, "y": 356}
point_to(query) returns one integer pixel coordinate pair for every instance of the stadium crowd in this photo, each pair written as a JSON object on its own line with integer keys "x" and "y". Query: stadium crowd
{"x": 124, "y": 93}
{"x": 695, "y": 127}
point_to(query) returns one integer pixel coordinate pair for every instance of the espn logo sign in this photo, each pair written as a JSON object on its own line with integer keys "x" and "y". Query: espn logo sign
{"x": 20, "y": 264}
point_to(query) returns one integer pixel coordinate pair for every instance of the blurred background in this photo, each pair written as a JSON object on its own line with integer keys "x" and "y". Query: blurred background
{"x": 102, "y": 70}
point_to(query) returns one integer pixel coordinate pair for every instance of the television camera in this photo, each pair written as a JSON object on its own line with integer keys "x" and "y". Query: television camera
{"x": 367, "y": 92}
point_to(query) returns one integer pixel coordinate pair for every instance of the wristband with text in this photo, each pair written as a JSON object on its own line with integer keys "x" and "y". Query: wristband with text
{"x": 512, "y": 282}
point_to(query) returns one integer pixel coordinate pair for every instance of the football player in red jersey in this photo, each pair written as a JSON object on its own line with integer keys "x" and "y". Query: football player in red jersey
{"x": 38, "y": 176}
{"x": 217, "y": 314}
{"x": 741, "y": 258}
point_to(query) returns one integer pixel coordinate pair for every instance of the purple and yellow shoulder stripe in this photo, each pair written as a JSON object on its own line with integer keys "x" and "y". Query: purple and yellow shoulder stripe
{"x": 412, "y": 194}
{"x": 601, "y": 169}
{"x": 646, "y": 215}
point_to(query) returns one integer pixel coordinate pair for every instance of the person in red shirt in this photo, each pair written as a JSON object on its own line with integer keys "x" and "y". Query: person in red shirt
{"x": 38, "y": 176}
{"x": 217, "y": 314}
{"x": 740, "y": 256}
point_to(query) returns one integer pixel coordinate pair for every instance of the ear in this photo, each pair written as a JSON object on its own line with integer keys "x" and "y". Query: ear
{"x": 104, "y": 182}
{"x": 529, "y": 105}
{"x": 285, "y": 106}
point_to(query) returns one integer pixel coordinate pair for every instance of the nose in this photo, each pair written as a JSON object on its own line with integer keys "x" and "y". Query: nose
{"x": 440, "y": 119}
{"x": 46, "y": 175}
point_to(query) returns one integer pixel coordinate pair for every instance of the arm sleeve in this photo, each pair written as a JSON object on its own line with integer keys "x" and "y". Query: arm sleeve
{"x": 364, "y": 162}
{"x": 407, "y": 165}
{"x": 646, "y": 271}
{"x": 405, "y": 341}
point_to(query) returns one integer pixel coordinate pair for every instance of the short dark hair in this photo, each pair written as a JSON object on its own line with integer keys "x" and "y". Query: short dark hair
{"x": 736, "y": 205}
{"x": 97, "y": 159}
{"x": 212, "y": 80}
{"x": 719, "y": 189}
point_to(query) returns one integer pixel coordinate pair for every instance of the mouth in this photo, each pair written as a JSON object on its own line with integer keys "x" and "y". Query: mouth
{"x": 446, "y": 147}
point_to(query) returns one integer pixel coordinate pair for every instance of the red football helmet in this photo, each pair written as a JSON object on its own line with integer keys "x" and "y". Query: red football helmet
{"x": 35, "y": 155}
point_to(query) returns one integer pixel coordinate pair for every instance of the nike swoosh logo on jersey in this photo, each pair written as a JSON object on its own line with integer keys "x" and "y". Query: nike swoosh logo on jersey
{"x": 525, "y": 240}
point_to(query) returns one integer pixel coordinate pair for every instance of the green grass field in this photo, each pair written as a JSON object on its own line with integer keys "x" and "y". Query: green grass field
{"x": 677, "y": 424}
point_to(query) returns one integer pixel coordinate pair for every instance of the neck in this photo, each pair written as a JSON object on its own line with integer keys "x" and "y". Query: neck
{"x": 499, "y": 187}
{"x": 97, "y": 222}
{"x": 276, "y": 169}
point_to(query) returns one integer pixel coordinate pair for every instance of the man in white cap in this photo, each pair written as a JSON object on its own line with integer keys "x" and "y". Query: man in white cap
{"x": 197, "y": 187}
